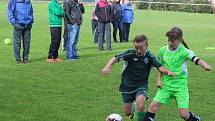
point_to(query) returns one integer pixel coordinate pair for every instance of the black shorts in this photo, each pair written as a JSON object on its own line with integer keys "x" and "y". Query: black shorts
{"x": 131, "y": 97}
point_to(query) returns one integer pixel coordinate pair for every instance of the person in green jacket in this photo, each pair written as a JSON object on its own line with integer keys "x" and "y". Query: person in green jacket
{"x": 56, "y": 13}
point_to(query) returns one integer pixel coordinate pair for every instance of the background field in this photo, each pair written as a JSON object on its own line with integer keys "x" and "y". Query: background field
{"x": 76, "y": 91}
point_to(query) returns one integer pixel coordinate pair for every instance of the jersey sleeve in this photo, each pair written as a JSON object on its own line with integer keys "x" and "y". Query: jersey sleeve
{"x": 123, "y": 56}
{"x": 190, "y": 55}
{"x": 154, "y": 61}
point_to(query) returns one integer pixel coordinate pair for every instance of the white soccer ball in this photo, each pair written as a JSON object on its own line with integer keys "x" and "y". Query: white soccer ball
{"x": 114, "y": 117}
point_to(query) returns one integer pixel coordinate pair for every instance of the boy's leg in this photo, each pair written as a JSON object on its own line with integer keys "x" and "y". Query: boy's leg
{"x": 182, "y": 98}
{"x": 162, "y": 97}
{"x": 153, "y": 108}
{"x": 188, "y": 116}
{"x": 127, "y": 109}
{"x": 141, "y": 96}
{"x": 128, "y": 100}
{"x": 140, "y": 101}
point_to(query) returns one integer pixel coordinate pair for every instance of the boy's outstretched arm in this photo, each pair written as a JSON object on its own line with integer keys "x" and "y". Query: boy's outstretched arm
{"x": 203, "y": 64}
{"x": 107, "y": 68}
{"x": 165, "y": 71}
{"x": 159, "y": 82}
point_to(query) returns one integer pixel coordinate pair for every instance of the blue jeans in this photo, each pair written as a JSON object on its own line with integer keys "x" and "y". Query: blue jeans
{"x": 73, "y": 37}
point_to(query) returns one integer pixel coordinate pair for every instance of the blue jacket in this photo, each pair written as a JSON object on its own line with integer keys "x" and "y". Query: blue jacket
{"x": 20, "y": 12}
{"x": 127, "y": 13}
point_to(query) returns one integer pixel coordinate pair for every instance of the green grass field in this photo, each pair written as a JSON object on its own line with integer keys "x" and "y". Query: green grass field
{"x": 76, "y": 91}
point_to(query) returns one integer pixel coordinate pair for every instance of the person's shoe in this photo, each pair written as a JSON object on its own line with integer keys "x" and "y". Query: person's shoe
{"x": 70, "y": 60}
{"x": 196, "y": 117}
{"x": 115, "y": 41}
{"x": 51, "y": 60}
{"x": 58, "y": 60}
{"x": 18, "y": 61}
{"x": 25, "y": 61}
{"x": 76, "y": 57}
{"x": 101, "y": 48}
{"x": 109, "y": 49}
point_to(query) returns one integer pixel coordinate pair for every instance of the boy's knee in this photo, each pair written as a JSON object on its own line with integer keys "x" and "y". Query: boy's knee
{"x": 184, "y": 115}
{"x": 154, "y": 107}
{"x": 140, "y": 107}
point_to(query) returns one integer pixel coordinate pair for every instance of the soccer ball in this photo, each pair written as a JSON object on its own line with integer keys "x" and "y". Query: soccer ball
{"x": 114, "y": 117}
{"x": 7, "y": 41}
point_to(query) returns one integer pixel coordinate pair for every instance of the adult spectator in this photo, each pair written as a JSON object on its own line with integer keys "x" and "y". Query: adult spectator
{"x": 104, "y": 14}
{"x": 20, "y": 15}
{"x": 74, "y": 10}
{"x": 117, "y": 20}
{"x": 56, "y": 14}
{"x": 127, "y": 18}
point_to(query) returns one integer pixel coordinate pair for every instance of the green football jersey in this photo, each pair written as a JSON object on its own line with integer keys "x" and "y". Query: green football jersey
{"x": 136, "y": 70}
{"x": 175, "y": 61}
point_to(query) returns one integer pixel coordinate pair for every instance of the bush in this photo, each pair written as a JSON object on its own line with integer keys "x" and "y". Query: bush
{"x": 177, "y": 7}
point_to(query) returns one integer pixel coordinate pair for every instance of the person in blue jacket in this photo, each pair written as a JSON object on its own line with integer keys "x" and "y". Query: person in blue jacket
{"x": 20, "y": 15}
{"x": 127, "y": 18}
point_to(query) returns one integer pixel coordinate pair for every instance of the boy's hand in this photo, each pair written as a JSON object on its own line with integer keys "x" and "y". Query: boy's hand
{"x": 207, "y": 67}
{"x": 106, "y": 71}
{"x": 159, "y": 84}
{"x": 171, "y": 73}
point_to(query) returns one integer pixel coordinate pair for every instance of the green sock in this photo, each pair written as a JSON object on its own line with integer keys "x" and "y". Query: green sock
{"x": 140, "y": 116}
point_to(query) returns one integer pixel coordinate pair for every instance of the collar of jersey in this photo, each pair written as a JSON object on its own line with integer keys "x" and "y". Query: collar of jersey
{"x": 173, "y": 50}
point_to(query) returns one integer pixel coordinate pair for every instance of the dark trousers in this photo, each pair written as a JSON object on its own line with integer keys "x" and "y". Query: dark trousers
{"x": 118, "y": 25}
{"x": 24, "y": 34}
{"x": 94, "y": 26}
{"x": 126, "y": 30}
{"x": 65, "y": 34}
{"x": 104, "y": 29}
{"x": 55, "y": 42}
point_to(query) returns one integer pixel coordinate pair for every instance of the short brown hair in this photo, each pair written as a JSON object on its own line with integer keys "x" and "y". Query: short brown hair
{"x": 141, "y": 38}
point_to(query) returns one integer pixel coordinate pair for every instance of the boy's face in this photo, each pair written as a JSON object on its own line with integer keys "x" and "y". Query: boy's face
{"x": 173, "y": 44}
{"x": 141, "y": 48}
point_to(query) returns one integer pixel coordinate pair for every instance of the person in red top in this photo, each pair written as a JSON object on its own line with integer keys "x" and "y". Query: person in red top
{"x": 104, "y": 13}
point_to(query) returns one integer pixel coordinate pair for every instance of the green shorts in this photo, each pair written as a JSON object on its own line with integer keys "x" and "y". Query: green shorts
{"x": 182, "y": 97}
{"x": 131, "y": 97}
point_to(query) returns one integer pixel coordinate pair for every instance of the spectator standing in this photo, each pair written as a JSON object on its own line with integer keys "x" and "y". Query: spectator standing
{"x": 104, "y": 14}
{"x": 20, "y": 15}
{"x": 74, "y": 10}
{"x": 117, "y": 20}
{"x": 127, "y": 18}
{"x": 56, "y": 14}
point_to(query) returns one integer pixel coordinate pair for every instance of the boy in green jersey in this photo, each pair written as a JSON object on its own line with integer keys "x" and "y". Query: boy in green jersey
{"x": 134, "y": 77}
{"x": 174, "y": 57}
